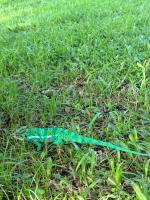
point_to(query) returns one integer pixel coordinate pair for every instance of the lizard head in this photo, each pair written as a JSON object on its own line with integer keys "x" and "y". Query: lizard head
{"x": 23, "y": 134}
{"x": 33, "y": 134}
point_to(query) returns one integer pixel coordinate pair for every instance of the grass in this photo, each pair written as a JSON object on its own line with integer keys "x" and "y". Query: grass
{"x": 61, "y": 62}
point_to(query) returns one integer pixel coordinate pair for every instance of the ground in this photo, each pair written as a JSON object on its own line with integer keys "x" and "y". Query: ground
{"x": 61, "y": 63}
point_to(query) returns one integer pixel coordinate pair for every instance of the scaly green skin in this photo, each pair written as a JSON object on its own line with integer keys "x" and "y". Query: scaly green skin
{"x": 60, "y": 135}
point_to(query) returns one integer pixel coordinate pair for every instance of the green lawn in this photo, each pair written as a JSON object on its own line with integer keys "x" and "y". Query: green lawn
{"x": 62, "y": 62}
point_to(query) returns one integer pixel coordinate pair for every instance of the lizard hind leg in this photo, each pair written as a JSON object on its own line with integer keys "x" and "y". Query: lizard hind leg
{"x": 57, "y": 141}
{"x": 56, "y": 137}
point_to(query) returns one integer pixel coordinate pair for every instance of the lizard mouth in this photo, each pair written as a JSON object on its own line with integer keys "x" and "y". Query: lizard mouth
{"x": 20, "y": 134}
{"x": 21, "y": 131}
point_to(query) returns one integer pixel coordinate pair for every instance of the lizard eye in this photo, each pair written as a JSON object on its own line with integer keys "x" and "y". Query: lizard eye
{"x": 25, "y": 136}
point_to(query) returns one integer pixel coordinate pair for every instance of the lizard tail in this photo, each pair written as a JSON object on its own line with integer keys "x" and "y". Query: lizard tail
{"x": 116, "y": 147}
{"x": 87, "y": 140}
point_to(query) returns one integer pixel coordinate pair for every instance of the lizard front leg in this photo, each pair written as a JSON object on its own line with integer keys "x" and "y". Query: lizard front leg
{"x": 38, "y": 144}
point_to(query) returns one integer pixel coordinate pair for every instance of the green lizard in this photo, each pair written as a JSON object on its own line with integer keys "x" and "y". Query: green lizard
{"x": 60, "y": 135}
